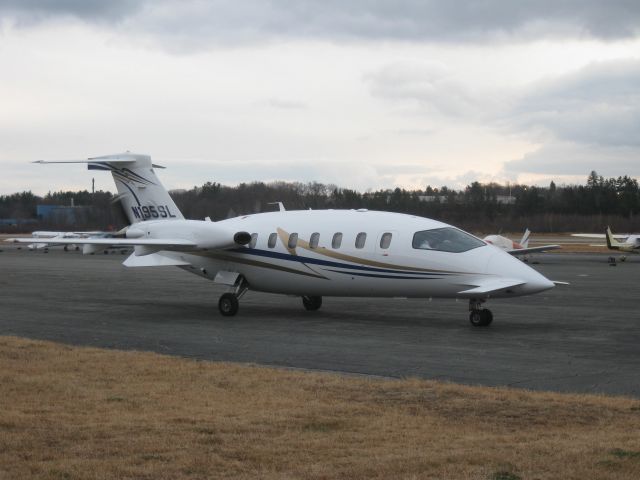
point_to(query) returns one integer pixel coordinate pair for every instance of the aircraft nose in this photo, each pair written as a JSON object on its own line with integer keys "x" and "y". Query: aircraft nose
{"x": 536, "y": 285}
{"x": 506, "y": 265}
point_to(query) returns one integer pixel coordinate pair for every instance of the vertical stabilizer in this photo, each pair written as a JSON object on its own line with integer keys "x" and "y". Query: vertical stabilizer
{"x": 612, "y": 243}
{"x": 525, "y": 239}
{"x": 142, "y": 195}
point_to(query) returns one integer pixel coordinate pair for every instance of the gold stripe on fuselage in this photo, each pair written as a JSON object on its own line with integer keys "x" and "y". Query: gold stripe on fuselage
{"x": 240, "y": 258}
{"x": 284, "y": 237}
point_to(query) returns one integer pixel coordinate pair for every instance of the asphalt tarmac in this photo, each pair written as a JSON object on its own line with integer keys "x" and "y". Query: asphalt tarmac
{"x": 579, "y": 338}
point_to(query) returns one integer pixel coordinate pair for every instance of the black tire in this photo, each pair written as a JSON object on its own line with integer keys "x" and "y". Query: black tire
{"x": 487, "y": 317}
{"x": 475, "y": 318}
{"x": 481, "y": 318}
{"x": 311, "y": 303}
{"x": 228, "y": 305}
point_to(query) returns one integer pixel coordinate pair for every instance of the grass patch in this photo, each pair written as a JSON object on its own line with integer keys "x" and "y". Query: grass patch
{"x": 504, "y": 475}
{"x": 85, "y": 413}
{"x": 620, "y": 453}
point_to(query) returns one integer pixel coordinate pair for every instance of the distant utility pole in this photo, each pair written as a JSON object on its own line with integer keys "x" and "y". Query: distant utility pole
{"x": 93, "y": 185}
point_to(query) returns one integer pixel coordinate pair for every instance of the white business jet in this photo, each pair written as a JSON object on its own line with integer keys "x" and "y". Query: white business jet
{"x": 517, "y": 248}
{"x": 311, "y": 254}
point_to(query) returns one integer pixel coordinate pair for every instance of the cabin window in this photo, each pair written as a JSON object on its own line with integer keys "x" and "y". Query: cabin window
{"x": 273, "y": 238}
{"x": 361, "y": 239}
{"x": 254, "y": 240}
{"x": 293, "y": 240}
{"x": 447, "y": 239}
{"x": 337, "y": 240}
{"x": 385, "y": 240}
{"x": 314, "y": 240}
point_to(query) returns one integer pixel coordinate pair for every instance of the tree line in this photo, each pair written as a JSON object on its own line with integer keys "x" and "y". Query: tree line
{"x": 480, "y": 207}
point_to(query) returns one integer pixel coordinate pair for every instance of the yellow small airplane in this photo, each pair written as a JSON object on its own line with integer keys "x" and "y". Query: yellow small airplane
{"x": 626, "y": 243}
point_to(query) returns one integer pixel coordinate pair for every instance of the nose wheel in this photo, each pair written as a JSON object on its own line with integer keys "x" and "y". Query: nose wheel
{"x": 311, "y": 303}
{"x": 228, "y": 304}
{"x": 478, "y": 316}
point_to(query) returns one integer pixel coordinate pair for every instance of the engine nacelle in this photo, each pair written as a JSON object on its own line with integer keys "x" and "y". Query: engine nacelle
{"x": 206, "y": 235}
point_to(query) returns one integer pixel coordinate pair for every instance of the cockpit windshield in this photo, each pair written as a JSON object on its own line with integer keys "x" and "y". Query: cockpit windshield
{"x": 447, "y": 239}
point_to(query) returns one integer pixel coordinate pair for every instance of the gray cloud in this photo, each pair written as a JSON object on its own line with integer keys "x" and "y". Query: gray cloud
{"x": 561, "y": 158}
{"x": 192, "y": 22}
{"x": 588, "y": 120}
{"x": 429, "y": 86}
{"x": 599, "y": 104}
{"x": 282, "y": 104}
{"x": 29, "y": 12}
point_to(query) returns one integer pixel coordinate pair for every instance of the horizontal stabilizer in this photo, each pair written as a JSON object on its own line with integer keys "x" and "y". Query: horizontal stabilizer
{"x": 491, "y": 286}
{"x": 542, "y": 248}
{"x": 152, "y": 260}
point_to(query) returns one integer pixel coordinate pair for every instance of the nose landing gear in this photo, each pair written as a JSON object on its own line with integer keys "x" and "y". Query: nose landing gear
{"x": 478, "y": 316}
{"x": 311, "y": 303}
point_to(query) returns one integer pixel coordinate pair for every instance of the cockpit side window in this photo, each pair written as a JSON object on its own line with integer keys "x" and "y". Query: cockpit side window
{"x": 447, "y": 239}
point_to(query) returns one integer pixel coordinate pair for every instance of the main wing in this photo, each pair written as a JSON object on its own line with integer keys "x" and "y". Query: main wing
{"x": 599, "y": 235}
{"x": 120, "y": 242}
{"x": 524, "y": 251}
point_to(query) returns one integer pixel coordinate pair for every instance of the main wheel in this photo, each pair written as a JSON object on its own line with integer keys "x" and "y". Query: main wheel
{"x": 475, "y": 318}
{"x": 487, "y": 317}
{"x": 311, "y": 303}
{"x": 228, "y": 305}
{"x": 481, "y": 318}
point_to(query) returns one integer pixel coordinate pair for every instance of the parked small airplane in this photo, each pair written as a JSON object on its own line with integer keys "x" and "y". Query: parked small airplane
{"x": 625, "y": 243}
{"x": 310, "y": 253}
{"x": 54, "y": 236}
{"x": 517, "y": 248}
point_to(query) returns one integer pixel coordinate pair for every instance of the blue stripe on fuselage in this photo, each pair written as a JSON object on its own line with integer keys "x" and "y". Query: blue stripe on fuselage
{"x": 326, "y": 263}
{"x": 375, "y": 275}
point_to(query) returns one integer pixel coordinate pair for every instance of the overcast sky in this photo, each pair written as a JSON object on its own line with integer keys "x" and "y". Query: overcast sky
{"x": 363, "y": 94}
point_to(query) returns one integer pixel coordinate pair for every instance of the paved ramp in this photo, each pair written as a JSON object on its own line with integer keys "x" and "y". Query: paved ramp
{"x": 582, "y": 338}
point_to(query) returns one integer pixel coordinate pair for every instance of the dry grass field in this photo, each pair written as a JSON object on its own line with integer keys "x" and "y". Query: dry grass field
{"x": 84, "y": 413}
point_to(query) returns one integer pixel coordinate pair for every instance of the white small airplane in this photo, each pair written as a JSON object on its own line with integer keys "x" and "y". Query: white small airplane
{"x": 310, "y": 253}
{"x": 54, "y": 236}
{"x": 517, "y": 248}
{"x": 626, "y": 243}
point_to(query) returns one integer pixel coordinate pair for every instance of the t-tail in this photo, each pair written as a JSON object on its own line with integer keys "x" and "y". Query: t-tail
{"x": 612, "y": 243}
{"x": 525, "y": 239}
{"x": 142, "y": 195}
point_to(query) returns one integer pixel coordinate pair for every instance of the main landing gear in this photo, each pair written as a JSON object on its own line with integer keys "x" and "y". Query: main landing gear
{"x": 229, "y": 302}
{"x": 612, "y": 260}
{"x": 478, "y": 316}
{"x": 311, "y": 303}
